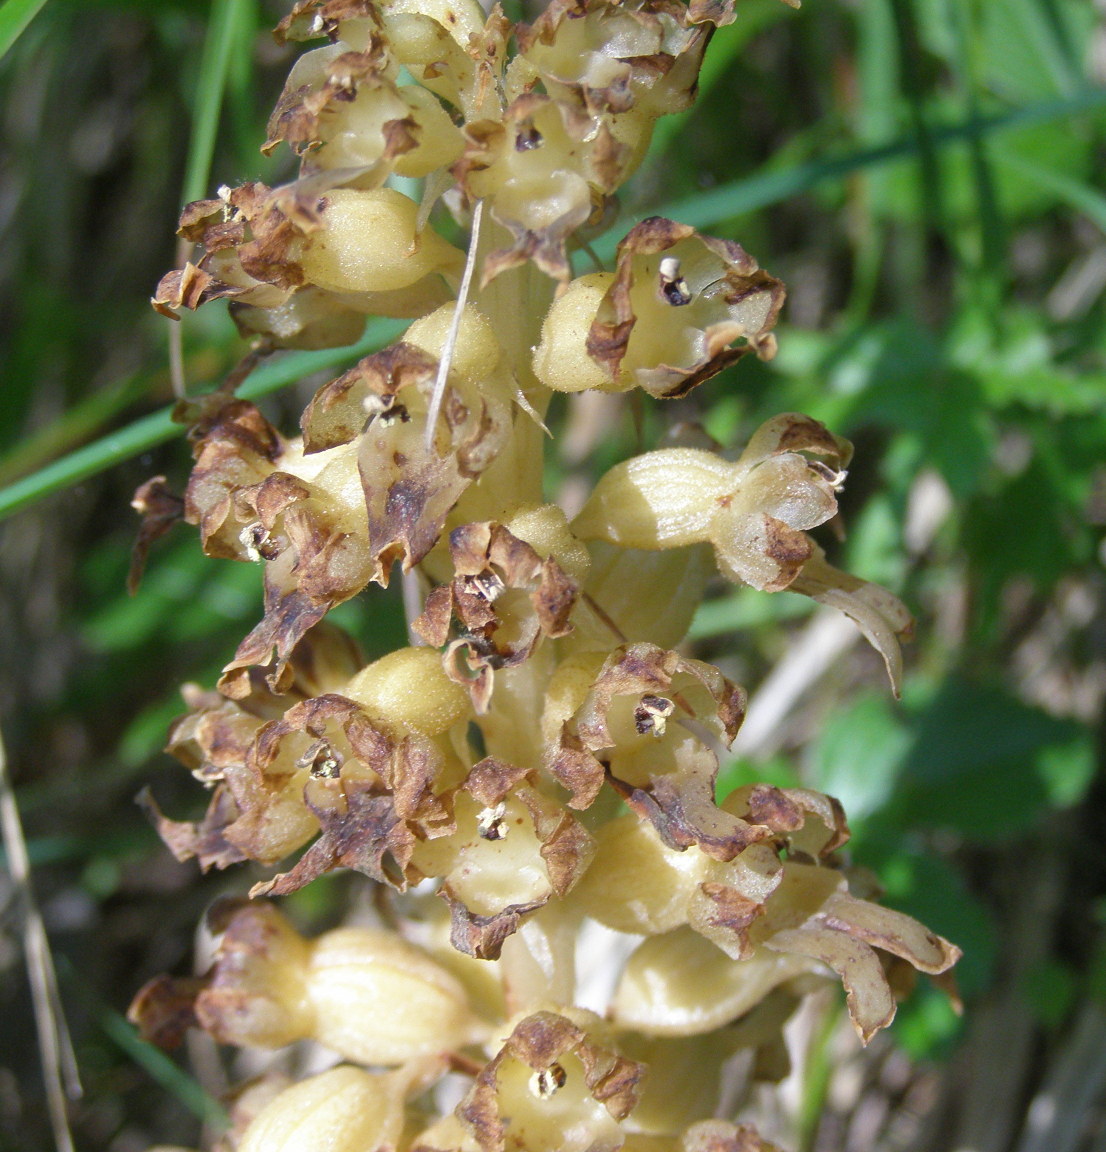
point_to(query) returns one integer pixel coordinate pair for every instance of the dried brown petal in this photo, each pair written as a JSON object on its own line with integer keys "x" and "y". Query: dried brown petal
{"x": 665, "y": 775}
{"x": 165, "y": 1008}
{"x": 482, "y": 937}
{"x": 205, "y": 840}
{"x": 811, "y": 914}
{"x": 371, "y": 806}
{"x": 160, "y": 508}
{"x": 312, "y": 18}
{"x": 612, "y": 58}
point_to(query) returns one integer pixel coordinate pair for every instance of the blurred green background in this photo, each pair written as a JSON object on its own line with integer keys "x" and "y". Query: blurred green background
{"x": 926, "y": 176}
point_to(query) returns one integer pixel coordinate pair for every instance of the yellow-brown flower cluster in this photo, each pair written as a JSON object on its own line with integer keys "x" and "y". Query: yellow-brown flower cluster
{"x": 545, "y": 755}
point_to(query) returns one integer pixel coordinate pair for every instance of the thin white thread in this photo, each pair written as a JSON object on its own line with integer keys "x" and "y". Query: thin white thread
{"x": 454, "y": 327}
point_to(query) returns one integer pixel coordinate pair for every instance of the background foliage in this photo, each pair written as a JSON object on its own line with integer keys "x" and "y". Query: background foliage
{"x": 925, "y": 175}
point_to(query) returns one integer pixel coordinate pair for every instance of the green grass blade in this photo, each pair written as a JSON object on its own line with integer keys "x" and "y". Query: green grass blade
{"x": 764, "y": 188}
{"x": 228, "y": 22}
{"x": 991, "y": 268}
{"x": 151, "y": 1060}
{"x": 1082, "y": 197}
{"x": 1044, "y": 26}
{"x": 83, "y": 420}
{"x": 15, "y": 15}
{"x": 156, "y": 428}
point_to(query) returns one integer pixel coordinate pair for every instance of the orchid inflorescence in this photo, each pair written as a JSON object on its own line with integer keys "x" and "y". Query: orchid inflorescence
{"x": 544, "y": 756}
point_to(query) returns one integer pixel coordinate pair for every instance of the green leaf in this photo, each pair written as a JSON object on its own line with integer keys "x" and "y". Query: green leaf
{"x": 741, "y": 772}
{"x": 989, "y": 767}
{"x": 15, "y": 15}
{"x": 225, "y": 40}
{"x": 745, "y": 608}
{"x": 1043, "y": 171}
{"x": 859, "y": 755}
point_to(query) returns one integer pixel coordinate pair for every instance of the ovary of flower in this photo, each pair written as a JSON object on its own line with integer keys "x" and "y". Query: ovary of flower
{"x": 752, "y": 512}
{"x": 407, "y": 689}
{"x": 476, "y": 353}
{"x": 561, "y": 360}
{"x": 680, "y": 984}
{"x": 344, "y": 1109}
{"x": 545, "y": 528}
{"x": 638, "y": 885}
{"x": 370, "y": 242}
{"x": 365, "y": 993}
{"x": 379, "y": 1000}
{"x": 664, "y": 499}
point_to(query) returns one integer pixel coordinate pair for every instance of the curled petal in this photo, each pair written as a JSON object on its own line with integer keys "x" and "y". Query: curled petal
{"x": 519, "y": 164}
{"x": 880, "y": 616}
{"x": 867, "y": 993}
